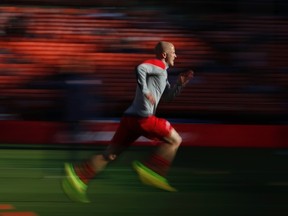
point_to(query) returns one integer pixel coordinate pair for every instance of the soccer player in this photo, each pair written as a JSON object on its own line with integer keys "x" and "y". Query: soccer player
{"x": 138, "y": 120}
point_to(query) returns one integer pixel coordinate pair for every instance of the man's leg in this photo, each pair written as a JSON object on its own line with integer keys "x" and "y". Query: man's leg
{"x": 161, "y": 160}
{"x": 88, "y": 169}
{"x": 154, "y": 170}
{"x": 79, "y": 175}
{"x": 75, "y": 184}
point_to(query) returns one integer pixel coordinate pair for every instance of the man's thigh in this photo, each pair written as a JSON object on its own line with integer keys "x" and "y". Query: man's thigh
{"x": 156, "y": 128}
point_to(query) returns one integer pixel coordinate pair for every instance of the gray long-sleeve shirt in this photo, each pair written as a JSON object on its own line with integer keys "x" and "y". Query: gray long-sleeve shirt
{"x": 151, "y": 78}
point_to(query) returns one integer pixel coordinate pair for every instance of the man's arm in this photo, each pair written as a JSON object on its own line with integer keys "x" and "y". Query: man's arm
{"x": 183, "y": 79}
{"x": 142, "y": 72}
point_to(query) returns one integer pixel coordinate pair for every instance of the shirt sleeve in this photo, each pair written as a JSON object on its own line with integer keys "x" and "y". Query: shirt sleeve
{"x": 171, "y": 92}
{"x": 141, "y": 72}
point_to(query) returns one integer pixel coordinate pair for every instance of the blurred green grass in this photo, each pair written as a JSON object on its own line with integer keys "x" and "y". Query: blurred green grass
{"x": 211, "y": 181}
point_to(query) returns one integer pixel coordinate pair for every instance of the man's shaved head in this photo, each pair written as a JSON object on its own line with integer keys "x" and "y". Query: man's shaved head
{"x": 162, "y": 46}
{"x": 165, "y": 51}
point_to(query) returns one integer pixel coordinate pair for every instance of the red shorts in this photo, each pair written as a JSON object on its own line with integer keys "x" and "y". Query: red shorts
{"x": 131, "y": 128}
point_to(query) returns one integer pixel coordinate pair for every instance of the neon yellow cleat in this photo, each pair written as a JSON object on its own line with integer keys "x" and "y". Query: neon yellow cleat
{"x": 73, "y": 187}
{"x": 149, "y": 177}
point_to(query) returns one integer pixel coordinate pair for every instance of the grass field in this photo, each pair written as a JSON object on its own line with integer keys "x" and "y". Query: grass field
{"x": 211, "y": 181}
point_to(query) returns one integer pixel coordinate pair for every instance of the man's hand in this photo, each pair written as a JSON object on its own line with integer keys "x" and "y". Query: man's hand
{"x": 151, "y": 98}
{"x": 185, "y": 77}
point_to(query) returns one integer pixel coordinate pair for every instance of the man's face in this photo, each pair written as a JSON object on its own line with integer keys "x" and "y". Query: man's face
{"x": 170, "y": 55}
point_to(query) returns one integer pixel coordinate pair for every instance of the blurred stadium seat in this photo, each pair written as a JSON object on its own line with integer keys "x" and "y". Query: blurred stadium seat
{"x": 239, "y": 67}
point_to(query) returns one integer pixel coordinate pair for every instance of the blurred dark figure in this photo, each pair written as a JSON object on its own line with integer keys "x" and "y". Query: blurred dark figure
{"x": 80, "y": 96}
{"x": 16, "y": 26}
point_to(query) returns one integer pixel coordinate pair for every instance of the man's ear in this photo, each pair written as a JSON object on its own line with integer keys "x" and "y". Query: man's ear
{"x": 164, "y": 54}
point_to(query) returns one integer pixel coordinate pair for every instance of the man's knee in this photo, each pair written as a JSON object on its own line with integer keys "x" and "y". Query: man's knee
{"x": 177, "y": 140}
{"x": 174, "y": 139}
{"x": 111, "y": 152}
{"x": 109, "y": 157}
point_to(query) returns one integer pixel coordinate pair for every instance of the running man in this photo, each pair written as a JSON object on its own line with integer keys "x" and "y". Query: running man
{"x": 138, "y": 120}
